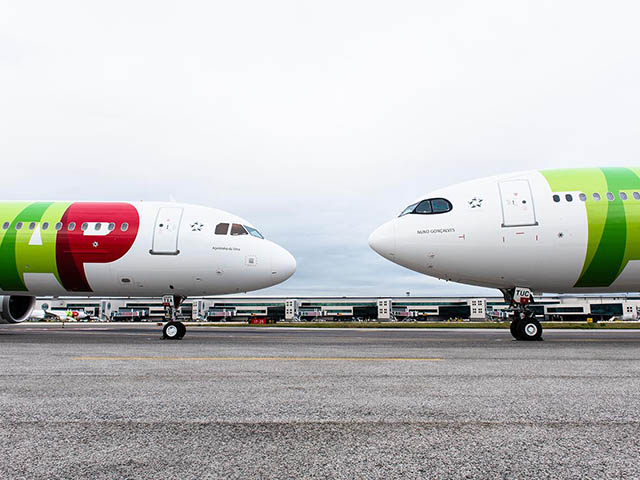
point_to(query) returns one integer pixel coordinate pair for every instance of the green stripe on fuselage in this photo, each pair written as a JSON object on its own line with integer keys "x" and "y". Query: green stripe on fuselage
{"x": 613, "y": 226}
{"x": 17, "y": 255}
{"x": 607, "y": 262}
{"x": 40, "y": 257}
{"x": 9, "y": 278}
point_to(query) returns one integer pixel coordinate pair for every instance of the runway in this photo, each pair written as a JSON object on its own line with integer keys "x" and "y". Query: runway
{"x": 115, "y": 401}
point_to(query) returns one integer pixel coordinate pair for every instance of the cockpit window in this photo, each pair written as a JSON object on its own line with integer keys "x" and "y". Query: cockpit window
{"x": 222, "y": 228}
{"x": 423, "y": 207}
{"x": 440, "y": 205}
{"x": 430, "y": 206}
{"x": 253, "y": 231}
{"x": 409, "y": 209}
{"x": 237, "y": 229}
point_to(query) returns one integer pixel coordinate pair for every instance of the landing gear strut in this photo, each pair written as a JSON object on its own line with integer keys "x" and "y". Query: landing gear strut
{"x": 524, "y": 325}
{"x": 173, "y": 329}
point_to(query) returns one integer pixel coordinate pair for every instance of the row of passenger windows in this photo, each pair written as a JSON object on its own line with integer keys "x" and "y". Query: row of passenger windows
{"x": 596, "y": 196}
{"x": 237, "y": 229}
{"x": 430, "y": 206}
{"x": 71, "y": 226}
{"x": 221, "y": 228}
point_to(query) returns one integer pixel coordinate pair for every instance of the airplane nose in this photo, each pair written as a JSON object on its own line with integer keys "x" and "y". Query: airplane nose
{"x": 283, "y": 265}
{"x": 383, "y": 239}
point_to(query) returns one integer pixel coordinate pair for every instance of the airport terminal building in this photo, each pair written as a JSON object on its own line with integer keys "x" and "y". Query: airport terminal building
{"x": 273, "y": 309}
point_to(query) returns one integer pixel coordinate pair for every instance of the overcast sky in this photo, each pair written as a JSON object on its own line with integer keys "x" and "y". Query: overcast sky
{"x": 317, "y": 121}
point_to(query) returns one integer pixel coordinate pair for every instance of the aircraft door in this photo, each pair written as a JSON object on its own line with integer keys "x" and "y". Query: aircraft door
{"x": 165, "y": 231}
{"x": 517, "y": 204}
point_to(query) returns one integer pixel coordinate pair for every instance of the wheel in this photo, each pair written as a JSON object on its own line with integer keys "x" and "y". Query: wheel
{"x": 515, "y": 328}
{"x": 530, "y": 329}
{"x": 171, "y": 331}
{"x": 181, "y": 329}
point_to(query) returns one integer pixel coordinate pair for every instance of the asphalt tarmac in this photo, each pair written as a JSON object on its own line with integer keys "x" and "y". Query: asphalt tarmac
{"x": 114, "y": 401}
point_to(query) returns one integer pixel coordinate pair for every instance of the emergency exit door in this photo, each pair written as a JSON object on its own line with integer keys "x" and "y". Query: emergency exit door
{"x": 517, "y": 204}
{"x": 165, "y": 232}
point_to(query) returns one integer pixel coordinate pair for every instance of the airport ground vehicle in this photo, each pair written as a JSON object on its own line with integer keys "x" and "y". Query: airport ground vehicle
{"x": 130, "y": 249}
{"x": 555, "y": 231}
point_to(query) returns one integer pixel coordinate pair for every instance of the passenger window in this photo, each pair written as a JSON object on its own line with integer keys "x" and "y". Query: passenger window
{"x": 407, "y": 210}
{"x": 58, "y": 226}
{"x": 424, "y": 207}
{"x": 583, "y": 197}
{"x": 111, "y": 227}
{"x": 5, "y": 225}
{"x": 237, "y": 229}
{"x": 32, "y": 225}
{"x": 569, "y": 197}
{"x": 18, "y": 225}
{"x": 623, "y": 196}
{"x": 98, "y": 227}
{"x": 440, "y": 205}
{"x": 556, "y": 198}
{"x": 84, "y": 226}
{"x": 610, "y": 196}
{"x": 45, "y": 226}
{"x": 254, "y": 232}
{"x": 636, "y": 195}
{"x": 124, "y": 227}
{"x": 222, "y": 228}
{"x": 72, "y": 226}
{"x": 596, "y": 197}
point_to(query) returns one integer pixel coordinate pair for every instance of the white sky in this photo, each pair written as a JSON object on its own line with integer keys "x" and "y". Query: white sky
{"x": 317, "y": 121}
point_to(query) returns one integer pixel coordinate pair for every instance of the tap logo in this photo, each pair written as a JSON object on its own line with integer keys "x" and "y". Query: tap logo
{"x": 61, "y": 238}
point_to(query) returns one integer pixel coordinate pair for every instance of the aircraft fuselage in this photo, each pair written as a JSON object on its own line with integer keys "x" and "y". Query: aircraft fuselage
{"x": 561, "y": 231}
{"x": 133, "y": 249}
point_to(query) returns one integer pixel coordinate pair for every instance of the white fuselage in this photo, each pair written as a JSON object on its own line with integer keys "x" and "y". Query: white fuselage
{"x": 509, "y": 231}
{"x": 175, "y": 251}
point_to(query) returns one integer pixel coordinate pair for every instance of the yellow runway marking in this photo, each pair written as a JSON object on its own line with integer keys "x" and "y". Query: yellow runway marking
{"x": 263, "y": 359}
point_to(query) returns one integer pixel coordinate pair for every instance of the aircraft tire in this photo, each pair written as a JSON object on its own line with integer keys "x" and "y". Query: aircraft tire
{"x": 182, "y": 330}
{"x": 171, "y": 331}
{"x": 530, "y": 329}
{"x": 515, "y": 328}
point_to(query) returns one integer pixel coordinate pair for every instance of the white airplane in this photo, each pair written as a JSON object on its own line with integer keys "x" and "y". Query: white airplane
{"x": 130, "y": 249}
{"x": 556, "y": 231}
{"x": 57, "y": 315}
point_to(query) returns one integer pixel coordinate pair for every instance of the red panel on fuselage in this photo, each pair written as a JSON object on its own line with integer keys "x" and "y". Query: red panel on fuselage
{"x": 74, "y": 248}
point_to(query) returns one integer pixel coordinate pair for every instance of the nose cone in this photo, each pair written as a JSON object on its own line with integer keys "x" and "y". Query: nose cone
{"x": 383, "y": 240}
{"x": 283, "y": 265}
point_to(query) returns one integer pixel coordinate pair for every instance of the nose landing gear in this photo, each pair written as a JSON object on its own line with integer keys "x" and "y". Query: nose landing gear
{"x": 173, "y": 329}
{"x": 524, "y": 325}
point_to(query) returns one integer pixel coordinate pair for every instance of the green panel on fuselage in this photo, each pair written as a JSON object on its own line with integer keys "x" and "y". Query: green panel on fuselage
{"x": 613, "y": 225}
{"x": 17, "y": 256}
{"x": 9, "y": 277}
{"x": 39, "y": 257}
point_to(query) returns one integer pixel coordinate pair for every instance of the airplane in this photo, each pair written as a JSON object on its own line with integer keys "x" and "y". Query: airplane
{"x": 554, "y": 231}
{"x": 57, "y": 315}
{"x": 130, "y": 249}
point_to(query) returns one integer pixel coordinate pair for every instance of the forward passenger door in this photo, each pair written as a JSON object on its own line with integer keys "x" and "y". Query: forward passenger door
{"x": 517, "y": 204}
{"x": 166, "y": 230}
